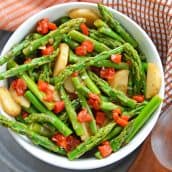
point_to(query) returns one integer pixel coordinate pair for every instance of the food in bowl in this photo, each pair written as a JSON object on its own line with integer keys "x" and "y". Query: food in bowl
{"x": 79, "y": 83}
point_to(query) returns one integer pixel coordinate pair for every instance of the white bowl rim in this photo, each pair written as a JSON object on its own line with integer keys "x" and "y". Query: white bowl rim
{"x": 84, "y": 164}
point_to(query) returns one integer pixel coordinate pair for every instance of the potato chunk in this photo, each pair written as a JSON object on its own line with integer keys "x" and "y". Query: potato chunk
{"x": 153, "y": 80}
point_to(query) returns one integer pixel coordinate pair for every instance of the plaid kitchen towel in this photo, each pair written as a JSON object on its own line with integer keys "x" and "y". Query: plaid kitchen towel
{"x": 154, "y": 16}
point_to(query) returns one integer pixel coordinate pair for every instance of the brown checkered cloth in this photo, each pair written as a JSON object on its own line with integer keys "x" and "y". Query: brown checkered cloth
{"x": 154, "y": 16}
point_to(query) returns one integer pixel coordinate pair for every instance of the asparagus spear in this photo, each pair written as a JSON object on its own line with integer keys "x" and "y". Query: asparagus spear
{"x": 63, "y": 116}
{"x": 115, "y": 25}
{"x": 89, "y": 83}
{"x": 73, "y": 58}
{"x": 35, "y": 138}
{"x": 137, "y": 68}
{"x": 144, "y": 116}
{"x": 109, "y": 32}
{"x": 43, "y": 117}
{"x": 109, "y": 42}
{"x": 71, "y": 113}
{"x": 25, "y": 67}
{"x": 17, "y": 49}
{"x": 64, "y": 28}
{"x": 84, "y": 104}
{"x": 91, "y": 142}
{"x": 65, "y": 130}
{"x": 72, "y": 44}
{"x": 79, "y": 37}
{"x": 134, "y": 126}
{"x": 58, "y": 80}
{"x": 46, "y": 72}
{"x": 108, "y": 63}
{"x": 104, "y": 105}
{"x": 41, "y": 130}
{"x": 113, "y": 93}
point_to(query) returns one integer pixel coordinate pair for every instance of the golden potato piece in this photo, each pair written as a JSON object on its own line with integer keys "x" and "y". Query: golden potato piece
{"x": 8, "y": 104}
{"x": 68, "y": 85}
{"x": 153, "y": 80}
{"x": 120, "y": 81}
{"x": 21, "y": 100}
{"x": 88, "y": 14}
{"x": 62, "y": 59}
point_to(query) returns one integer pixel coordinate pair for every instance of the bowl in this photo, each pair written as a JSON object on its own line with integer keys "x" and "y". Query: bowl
{"x": 145, "y": 44}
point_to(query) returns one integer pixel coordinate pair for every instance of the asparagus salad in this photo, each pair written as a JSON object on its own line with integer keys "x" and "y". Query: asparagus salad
{"x": 79, "y": 84}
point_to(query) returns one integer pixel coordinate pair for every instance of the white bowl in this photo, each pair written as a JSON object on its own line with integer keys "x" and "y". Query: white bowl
{"x": 146, "y": 46}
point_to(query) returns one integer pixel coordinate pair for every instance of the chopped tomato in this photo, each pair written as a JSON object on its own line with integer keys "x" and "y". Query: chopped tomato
{"x": 116, "y": 58}
{"x": 52, "y": 26}
{"x": 75, "y": 74}
{"x": 107, "y": 73}
{"x": 118, "y": 110}
{"x": 89, "y": 45}
{"x": 42, "y": 85}
{"x": 20, "y": 86}
{"x": 59, "y": 106}
{"x": 122, "y": 122}
{"x": 24, "y": 115}
{"x": 42, "y": 26}
{"x": 84, "y": 29}
{"x": 100, "y": 118}
{"x": 71, "y": 143}
{"x": 68, "y": 143}
{"x": 84, "y": 116}
{"x": 48, "y": 50}
{"x": 28, "y": 60}
{"x": 60, "y": 140}
{"x": 105, "y": 149}
{"x": 139, "y": 98}
{"x": 125, "y": 117}
{"x": 94, "y": 101}
{"x": 115, "y": 116}
{"x": 81, "y": 50}
{"x": 49, "y": 97}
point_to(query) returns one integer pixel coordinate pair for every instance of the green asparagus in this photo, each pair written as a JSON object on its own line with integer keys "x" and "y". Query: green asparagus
{"x": 116, "y": 95}
{"x": 114, "y": 24}
{"x": 22, "y": 68}
{"x": 35, "y": 138}
{"x": 91, "y": 142}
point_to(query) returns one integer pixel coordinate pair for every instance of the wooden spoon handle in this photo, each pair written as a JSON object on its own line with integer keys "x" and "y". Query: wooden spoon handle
{"x": 146, "y": 161}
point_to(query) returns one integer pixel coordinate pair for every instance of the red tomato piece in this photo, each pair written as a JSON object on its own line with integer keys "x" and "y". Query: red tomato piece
{"x": 49, "y": 97}
{"x": 94, "y": 101}
{"x": 48, "y": 50}
{"x": 42, "y": 26}
{"x": 125, "y": 117}
{"x": 81, "y": 50}
{"x": 84, "y": 29}
{"x": 139, "y": 98}
{"x": 71, "y": 143}
{"x": 75, "y": 74}
{"x": 84, "y": 116}
{"x": 59, "y": 106}
{"x": 105, "y": 149}
{"x": 42, "y": 85}
{"x": 20, "y": 86}
{"x": 115, "y": 116}
{"x": 52, "y": 26}
{"x": 89, "y": 45}
{"x": 118, "y": 110}
{"x": 100, "y": 118}
{"x": 107, "y": 73}
{"x": 116, "y": 58}
{"x": 122, "y": 122}
{"x": 60, "y": 140}
{"x": 24, "y": 115}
